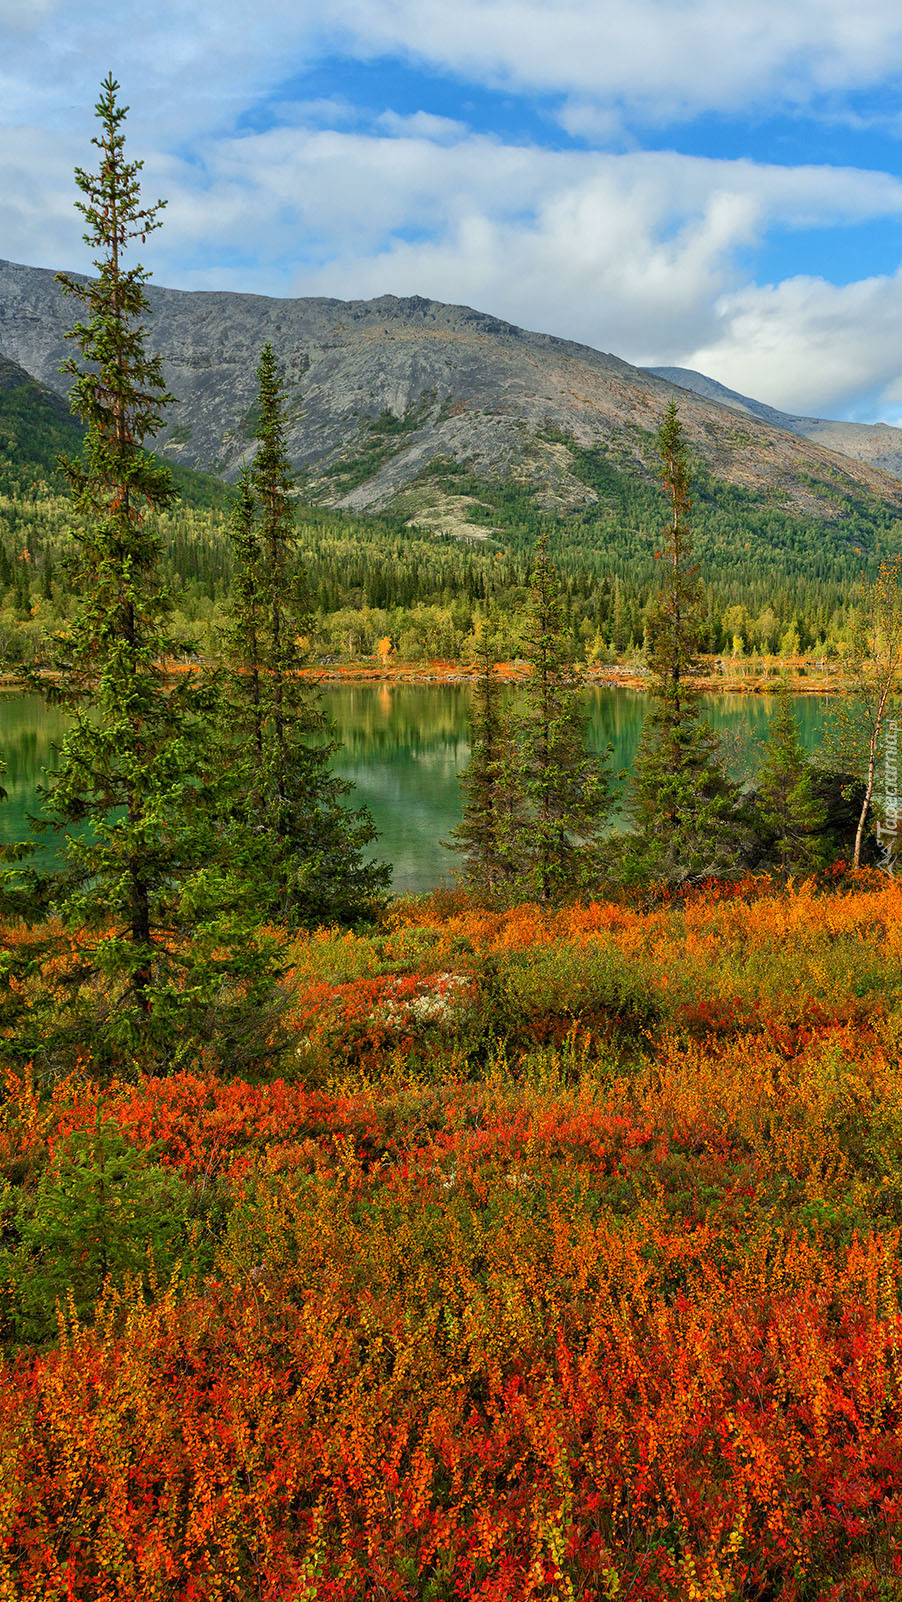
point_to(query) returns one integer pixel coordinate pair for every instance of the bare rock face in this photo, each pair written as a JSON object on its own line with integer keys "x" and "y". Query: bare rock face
{"x": 379, "y": 393}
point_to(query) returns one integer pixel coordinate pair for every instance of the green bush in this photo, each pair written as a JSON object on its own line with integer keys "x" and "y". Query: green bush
{"x": 541, "y": 992}
{"x": 102, "y": 1212}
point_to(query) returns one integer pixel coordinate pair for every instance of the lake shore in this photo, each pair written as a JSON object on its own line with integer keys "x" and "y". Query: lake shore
{"x": 720, "y": 675}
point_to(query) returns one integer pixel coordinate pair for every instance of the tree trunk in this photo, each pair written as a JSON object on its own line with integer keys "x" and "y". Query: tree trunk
{"x": 872, "y": 766}
{"x": 866, "y": 803}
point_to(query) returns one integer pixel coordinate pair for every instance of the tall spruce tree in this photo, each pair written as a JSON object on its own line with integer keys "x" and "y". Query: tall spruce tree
{"x": 485, "y": 794}
{"x": 163, "y": 960}
{"x": 244, "y": 706}
{"x": 557, "y": 790}
{"x": 790, "y": 816}
{"x": 307, "y": 864}
{"x": 684, "y": 807}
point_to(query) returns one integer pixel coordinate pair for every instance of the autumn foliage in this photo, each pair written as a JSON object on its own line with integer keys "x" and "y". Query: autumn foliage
{"x": 561, "y": 1259}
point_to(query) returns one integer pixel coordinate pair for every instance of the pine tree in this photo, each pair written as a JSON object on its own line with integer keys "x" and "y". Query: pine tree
{"x": 557, "y": 789}
{"x": 163, "y": 959}
{"x": 684, "y": 808}
{"x": 308, "y": 846}
{"x": 272, "y": 481}
{"x": 486, "y": 798}
{"x": 23, "y": 594}
{"x": 791, "y": 817}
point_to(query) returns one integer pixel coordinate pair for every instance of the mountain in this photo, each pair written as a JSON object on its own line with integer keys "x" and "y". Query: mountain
{"x": 877, "y": 444}
{"x": 35, "y": 424}
{"x": 411, "y": 405}
{"x": 36, "y": 427}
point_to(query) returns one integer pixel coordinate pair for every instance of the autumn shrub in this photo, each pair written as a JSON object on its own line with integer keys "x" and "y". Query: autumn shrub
{"x": 467, "y": 1383}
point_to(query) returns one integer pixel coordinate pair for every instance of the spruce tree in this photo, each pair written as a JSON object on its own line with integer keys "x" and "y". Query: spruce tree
{"x": 23, "y": 904}
{"x": 684, "y": 807}
{"x": 790, "y": 815}
{"x": 245, "y": 624}
{"x": 486, "y": 797}
{"x": 162, "y": 959}
{"x": 557, "y": 790}
{"x": 308, "y": 863}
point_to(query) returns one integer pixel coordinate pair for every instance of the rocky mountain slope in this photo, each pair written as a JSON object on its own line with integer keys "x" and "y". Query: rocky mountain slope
{"x": 383, "y": 395}
{"x": 878, "y": 444}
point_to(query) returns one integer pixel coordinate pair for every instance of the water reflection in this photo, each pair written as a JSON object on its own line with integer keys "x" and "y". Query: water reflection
{"x": 403, "y": 746}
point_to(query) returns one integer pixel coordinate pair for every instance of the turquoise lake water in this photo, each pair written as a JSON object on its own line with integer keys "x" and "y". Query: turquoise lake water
{"x": 403, "y": 747}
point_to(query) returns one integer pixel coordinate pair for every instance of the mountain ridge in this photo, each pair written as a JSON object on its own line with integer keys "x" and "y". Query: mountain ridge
{"x": 383, "y": 398}
{"x": 879, "y": 444}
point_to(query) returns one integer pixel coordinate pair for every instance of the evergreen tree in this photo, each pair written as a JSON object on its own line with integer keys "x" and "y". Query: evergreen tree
{"x": 23, "y": 903}
{"x": 162, "y": 960}
{"x": 790, "y": 815}
{"x": 308, "y": 846}
{"x": 23, "y": 594}
{"x": 272, "y": 481}
{"x": 243, "y": 637}
{"x": 486, "y": 797}
{"x": 557, "y": 789}
{"x": 684, "y": 807}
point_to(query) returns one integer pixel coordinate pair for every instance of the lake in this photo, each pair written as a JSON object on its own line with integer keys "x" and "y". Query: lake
{"x": 403, "y": 747}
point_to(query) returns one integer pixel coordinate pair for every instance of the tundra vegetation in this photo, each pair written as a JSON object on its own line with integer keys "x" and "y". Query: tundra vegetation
{"x": 560, "y": 1257}
{"x": 539, "y": 1238}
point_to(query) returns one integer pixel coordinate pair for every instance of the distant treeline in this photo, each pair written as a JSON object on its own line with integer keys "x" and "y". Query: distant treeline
{"x": 772, "y": 582}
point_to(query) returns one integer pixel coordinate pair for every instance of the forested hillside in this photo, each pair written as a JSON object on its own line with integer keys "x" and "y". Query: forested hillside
{"x": 773, "y": 580}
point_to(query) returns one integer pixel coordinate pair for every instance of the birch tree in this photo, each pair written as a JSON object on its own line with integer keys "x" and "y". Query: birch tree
{"x": 870, "y": 679}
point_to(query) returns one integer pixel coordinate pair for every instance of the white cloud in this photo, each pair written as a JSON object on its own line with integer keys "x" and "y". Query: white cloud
{"x": 637, "y": 252}
{"x": 16, "y": 18}
{"x": 38, "y": 220}
{"x": 428, "y": 175}
{"x": 198, "y": 66}
{"x": 422, "y": 125}
{"x": 596, "y": 123}
{"x": 322, "y": 113}
{"x": 808, "y": 346}
{"x": 663, "y": 57}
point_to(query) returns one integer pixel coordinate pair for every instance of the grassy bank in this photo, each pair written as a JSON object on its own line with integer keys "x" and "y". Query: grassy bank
{"x": 560, "y": 1259}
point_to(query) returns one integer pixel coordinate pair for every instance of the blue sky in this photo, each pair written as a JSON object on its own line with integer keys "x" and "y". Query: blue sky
{"x": 696, "y": 184}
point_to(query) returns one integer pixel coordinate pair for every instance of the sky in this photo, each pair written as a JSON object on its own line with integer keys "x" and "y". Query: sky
{"x": 681, "y": 182}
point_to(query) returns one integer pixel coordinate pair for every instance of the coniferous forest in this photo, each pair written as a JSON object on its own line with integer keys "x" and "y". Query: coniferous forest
{"x": 536, "y": 1238}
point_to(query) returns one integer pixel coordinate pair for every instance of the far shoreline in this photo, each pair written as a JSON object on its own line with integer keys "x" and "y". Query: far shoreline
{"x": 802, "y": 678}
{"x": 719, "y": 675}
